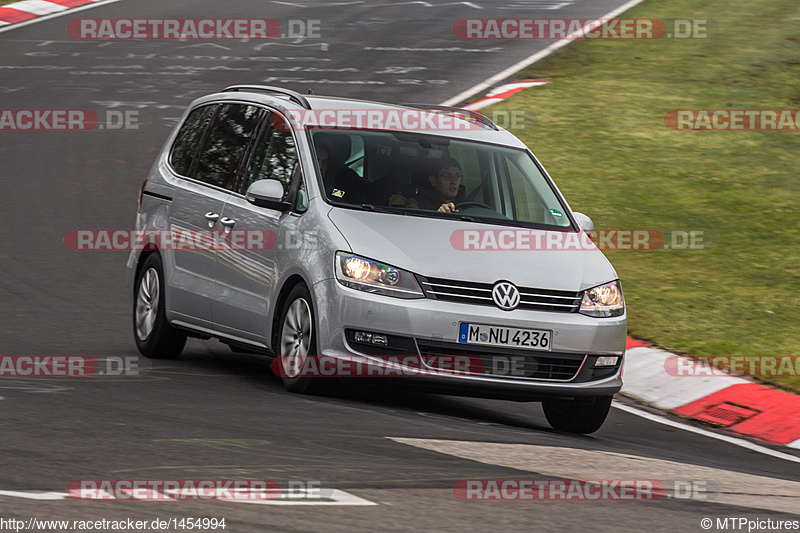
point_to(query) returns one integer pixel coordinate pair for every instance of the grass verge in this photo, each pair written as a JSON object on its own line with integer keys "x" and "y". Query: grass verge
{"x": 599, "y": 129}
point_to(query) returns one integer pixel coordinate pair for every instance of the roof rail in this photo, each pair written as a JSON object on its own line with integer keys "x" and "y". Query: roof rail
{"x": 472, "y": 114}
{"x": 293, "y": 96}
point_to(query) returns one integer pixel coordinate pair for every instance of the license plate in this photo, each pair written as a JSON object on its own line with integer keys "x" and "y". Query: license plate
{"x": 531, "y": 339}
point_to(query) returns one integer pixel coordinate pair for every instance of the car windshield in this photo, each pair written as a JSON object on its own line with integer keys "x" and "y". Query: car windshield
{"x": 418, "y": 174}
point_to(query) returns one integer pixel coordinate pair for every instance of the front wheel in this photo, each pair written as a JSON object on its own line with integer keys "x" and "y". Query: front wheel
{"x": 297, "y": 341}
{"x": 154, "y": 336}
{"x": 582, "y": 415}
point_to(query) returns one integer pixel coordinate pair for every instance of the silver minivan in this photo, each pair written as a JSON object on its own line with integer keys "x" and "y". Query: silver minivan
{"x": 350, "y": 238}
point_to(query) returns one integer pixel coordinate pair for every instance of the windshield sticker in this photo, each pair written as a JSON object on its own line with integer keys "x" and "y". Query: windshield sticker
{"x": 337, "y": 193}
{"x": 556, "y": 213}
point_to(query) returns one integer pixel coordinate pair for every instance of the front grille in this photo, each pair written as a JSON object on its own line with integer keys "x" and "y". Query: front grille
{"x": 481, "y": 294}
{"x": 503, "y": 362}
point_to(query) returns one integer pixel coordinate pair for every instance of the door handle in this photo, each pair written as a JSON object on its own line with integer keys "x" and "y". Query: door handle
{"x": 212, "y": 218}
{"x": 228, "y": 223}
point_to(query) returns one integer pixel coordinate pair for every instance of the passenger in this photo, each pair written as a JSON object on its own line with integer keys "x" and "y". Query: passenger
{"x": 446, "y": 190}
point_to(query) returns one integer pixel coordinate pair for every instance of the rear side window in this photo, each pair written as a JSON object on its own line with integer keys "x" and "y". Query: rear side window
{"x": 189, "y": 138}
{"x": 226, "y": 145}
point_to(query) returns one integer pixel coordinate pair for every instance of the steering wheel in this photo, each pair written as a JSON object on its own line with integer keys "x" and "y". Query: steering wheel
{"x": 461, "y": 205}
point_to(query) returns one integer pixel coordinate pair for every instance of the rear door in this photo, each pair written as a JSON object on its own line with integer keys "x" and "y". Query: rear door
{"x": 197, "y": 207}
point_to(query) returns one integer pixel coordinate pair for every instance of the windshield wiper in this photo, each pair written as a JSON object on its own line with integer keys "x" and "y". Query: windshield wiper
{"x": 379, "y": 209}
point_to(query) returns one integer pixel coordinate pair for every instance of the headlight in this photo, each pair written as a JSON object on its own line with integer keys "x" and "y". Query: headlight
{"x": 367, "y": 275}
{"x": 604, "y": 301}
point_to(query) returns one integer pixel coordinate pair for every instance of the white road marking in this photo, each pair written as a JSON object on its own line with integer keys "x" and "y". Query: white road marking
{"x": 420, "y": 3}
{"x": 32, "y": 385}
{"x": 525, "y": 63}
{"x": 295, "y": 4}
{"x": 34, "y": 495}
{"x": 735, "y": 488}
{"x": 337, "y": 497}
{"x": 700, "y": 431}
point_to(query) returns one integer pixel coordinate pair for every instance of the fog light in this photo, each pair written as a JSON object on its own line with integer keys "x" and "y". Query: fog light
{"x": 380, "y": 339}
{"x": 606, "y": 360}
{"x": 360, "y": 336}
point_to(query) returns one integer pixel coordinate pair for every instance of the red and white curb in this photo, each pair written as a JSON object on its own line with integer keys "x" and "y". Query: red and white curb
{"x": 728, "y": 402}
{"x": 502, "y": 92}
{"x": 31, "y": 9}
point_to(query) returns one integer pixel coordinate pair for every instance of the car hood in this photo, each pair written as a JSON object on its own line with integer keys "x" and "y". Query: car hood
{"x": 434, "y": 248}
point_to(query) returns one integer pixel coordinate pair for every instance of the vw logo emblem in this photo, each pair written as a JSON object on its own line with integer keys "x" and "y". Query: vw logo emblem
{"x": 505, "y": 295}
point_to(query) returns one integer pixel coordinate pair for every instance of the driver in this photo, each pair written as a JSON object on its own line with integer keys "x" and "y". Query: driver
{"x": 446, "y": 191}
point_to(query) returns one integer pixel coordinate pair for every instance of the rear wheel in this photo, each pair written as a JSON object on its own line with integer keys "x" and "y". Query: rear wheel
{"x": 154, "y": 336}
{"x": 297, "y": 341}
{"x": 582, "y": 415}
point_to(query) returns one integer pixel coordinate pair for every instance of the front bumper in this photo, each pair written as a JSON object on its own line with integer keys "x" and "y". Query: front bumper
{"x": 425, "y": 326}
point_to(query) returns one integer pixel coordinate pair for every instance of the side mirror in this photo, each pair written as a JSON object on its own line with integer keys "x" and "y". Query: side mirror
{"x": 585, "y": 223}
{"x": 267, "y": 193}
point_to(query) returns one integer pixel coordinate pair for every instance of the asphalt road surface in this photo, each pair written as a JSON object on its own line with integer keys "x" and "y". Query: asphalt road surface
{"x": 386, "y": 458}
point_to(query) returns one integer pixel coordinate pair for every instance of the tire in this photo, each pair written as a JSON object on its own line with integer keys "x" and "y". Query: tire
{"x": 155, "y": 337}
{"x": 297, "y": 339}
{"x": 582, "y": 415}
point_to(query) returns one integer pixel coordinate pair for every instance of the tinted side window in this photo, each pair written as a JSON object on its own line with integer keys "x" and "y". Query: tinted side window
{"x": 227, "y": 142}
{"x": 274, "y": 157}
{"x": 189, "y": 137}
